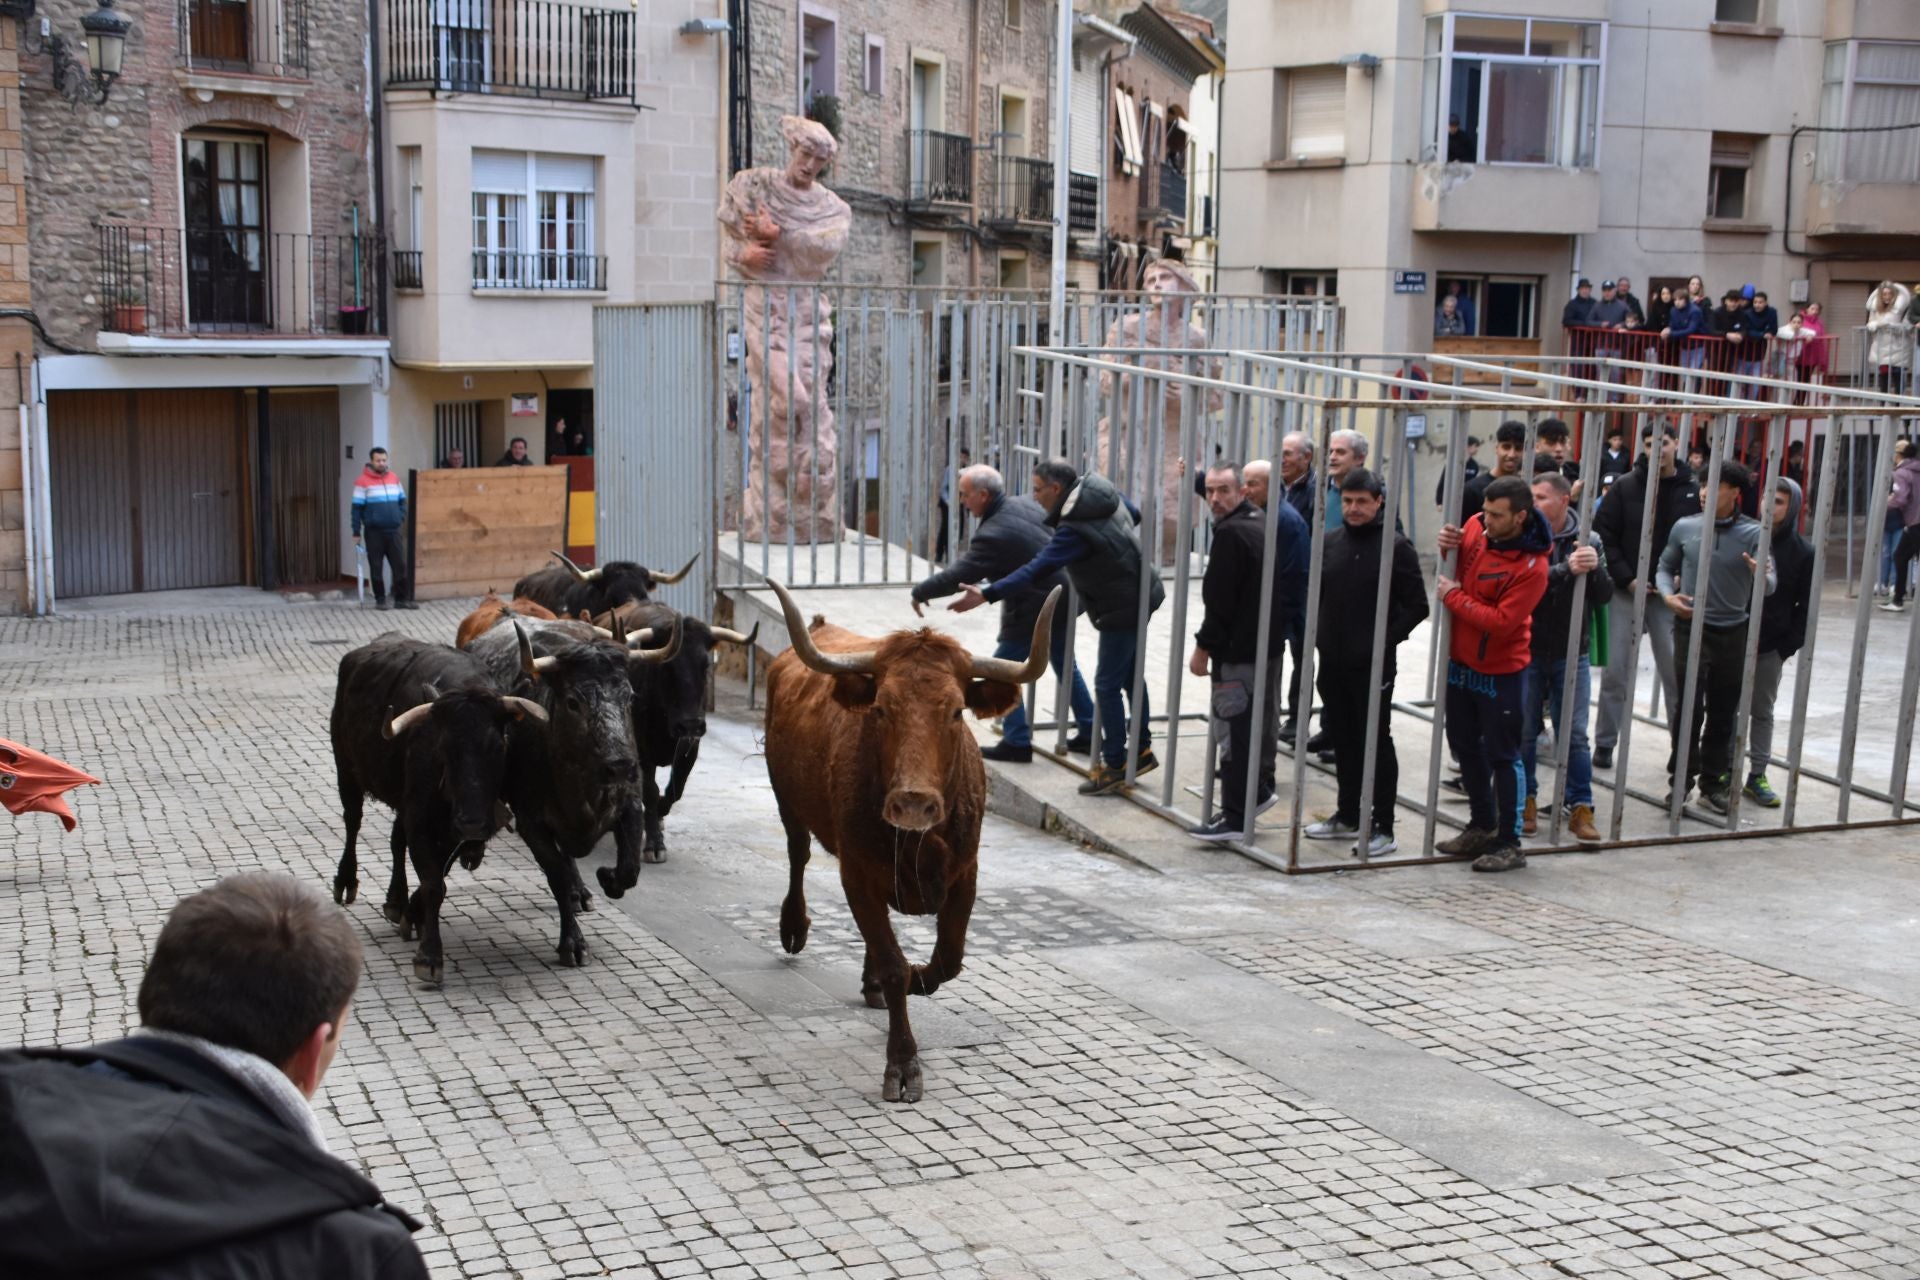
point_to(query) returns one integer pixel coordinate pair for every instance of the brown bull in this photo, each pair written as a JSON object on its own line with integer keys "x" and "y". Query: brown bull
{"x": 868, "y": 753}
{"x": 489, "y": 611}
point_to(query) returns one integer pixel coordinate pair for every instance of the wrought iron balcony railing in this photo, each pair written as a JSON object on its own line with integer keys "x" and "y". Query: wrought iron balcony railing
{"x": 538, "y": 269}
{"x": 1083, "y": 203}
{"x": 196, "y": 281}
{"x": 939, "y": 167}
{"x": 1022, "y": 190}
{"x": 529, "y": 48}
{"x": 252, "y": 37}
{"x": 407, "y": 269}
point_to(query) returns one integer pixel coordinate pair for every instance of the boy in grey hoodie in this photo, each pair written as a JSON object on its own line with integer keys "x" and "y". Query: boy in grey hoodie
{"x": 1723, "y": 643}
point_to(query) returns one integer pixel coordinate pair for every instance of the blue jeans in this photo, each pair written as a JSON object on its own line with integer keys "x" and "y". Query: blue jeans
{"x": 1112, "y": 681}
{"x": 1889, "y": 539}
{"x": 1545, "y": 681}
{"x": 1019, "y": 733}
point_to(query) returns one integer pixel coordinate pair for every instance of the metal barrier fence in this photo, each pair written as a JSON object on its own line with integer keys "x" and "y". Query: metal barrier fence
{"x": 869, "y": 396}
{"x": 1241, "y": 403}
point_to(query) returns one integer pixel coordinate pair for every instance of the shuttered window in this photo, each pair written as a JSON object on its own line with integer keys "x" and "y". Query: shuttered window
{"x": 1316, "y": 113}
{"x": 1126, "y": 134}
{"x": 533, "y": 224}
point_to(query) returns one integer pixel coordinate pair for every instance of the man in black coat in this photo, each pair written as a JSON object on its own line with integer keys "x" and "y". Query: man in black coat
{"x": 1010, "y": 532}
{"x": 1617, "y": 521}
{"x": 188, "y": 1149}
{"x": 1227, "y": 645}
{"x": 1349, "y": 579}
{"x": 1783, "y": 633}
{"x": 1509, "y": 453}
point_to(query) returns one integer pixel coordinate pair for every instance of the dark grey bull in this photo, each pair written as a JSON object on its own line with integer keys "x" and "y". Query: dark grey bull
{"x": 571, "y": 591}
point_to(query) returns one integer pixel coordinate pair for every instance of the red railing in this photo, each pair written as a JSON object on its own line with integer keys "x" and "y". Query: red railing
{"x": 1800, "y": 359}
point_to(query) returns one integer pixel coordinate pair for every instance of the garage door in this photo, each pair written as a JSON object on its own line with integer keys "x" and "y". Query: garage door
{"x": 148, "y": 492}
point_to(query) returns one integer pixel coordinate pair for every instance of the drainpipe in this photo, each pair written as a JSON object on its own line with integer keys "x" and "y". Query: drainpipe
{"x": 28, "y": 524}
{"x": 43, "y": 539}
{"x": 972, "y": 118}
{"x": 376, "y": 113}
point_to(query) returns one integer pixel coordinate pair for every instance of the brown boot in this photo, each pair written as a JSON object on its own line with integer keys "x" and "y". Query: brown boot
{"x": 1580, "y": 823}
{"x": 1530, "y": 820}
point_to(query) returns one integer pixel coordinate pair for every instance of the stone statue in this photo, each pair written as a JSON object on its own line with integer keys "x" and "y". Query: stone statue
{"x": 1162, "y": 322}
{"x": 782, "y": 227}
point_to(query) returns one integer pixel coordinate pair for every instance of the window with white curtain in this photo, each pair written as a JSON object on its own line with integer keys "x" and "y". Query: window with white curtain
{"x": 1868, "y": 85}
{"x": 533, "y": 225}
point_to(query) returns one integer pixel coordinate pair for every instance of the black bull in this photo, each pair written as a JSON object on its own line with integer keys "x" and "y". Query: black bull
{"x": 571, "y": 591}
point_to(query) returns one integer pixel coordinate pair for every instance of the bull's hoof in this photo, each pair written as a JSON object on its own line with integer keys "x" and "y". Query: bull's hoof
{"x": 654, "y": 853}
{"x": 471, "y": 855}
{"x": 583, "y": 899}
{"x": 794, "y": 923}
{"x": 611, "y": 882}
{"x": 902, "y": 1083}
{"x": 920, "y": 980}
{"x": 573, "y": 954}
{"x": 345, "y": 891}
{"x": 875, "y": 997}
{"x": 430, "y": 972}
{"x": 398, "y": 917}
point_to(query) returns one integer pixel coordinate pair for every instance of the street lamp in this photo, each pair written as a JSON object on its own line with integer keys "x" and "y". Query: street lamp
{"x": 106, "y": 36}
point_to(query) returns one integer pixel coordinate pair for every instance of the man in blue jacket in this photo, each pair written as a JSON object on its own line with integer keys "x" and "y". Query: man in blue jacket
{"x": 379, "y": 523}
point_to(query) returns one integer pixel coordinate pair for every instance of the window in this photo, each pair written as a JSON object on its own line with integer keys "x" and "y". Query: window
{"x": 1869, "y": 84}
{"x": 1302, "y": 284}
{"x": 464, "y": 49}
{"x": 1727, "y": 175}
{"x": 1747, "y": 11}
{"x": 456, "y": 425}
{"x": 1311, "y": 113}
{"x": 416, "y": 216}
{"x": 818, "y": 52}
{"x": 1013, "y": 14}
{"x": 875, "y": 65}
{"x": 1504, "y": 306}
{"x": 1013, "y": 270}
{"x": 533, "y": 221}
{"x": 1512, "y": 91}
{"x": 1126, "y": 132}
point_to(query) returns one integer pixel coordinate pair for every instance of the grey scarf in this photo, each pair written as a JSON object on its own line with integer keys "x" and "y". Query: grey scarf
{"x": 262, "y": 1079}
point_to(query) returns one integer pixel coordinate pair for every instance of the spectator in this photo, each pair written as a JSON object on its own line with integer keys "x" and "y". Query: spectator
{"x": 1611, "y": 311}
{"x": 1502, "y": 575}
{"x": 1470, "y": 470}
{"x": 1258, "y": 476}
{"x": 1913, "y": 307}
{"x": 1763, "y": 323}
{"x": 455, "y": 460}
{"x": 1662, "y": 308}
{"x": 1697, "y": 459}
{"x": 1463, "y": 303}
{"x": 516, "y": 454}
{"x": 1814, "y": 355}
{"x": 1557, "y": 443}
{"x": 1686, "y": 325}
{"x": 1011, "y": 532}
{"x": 1349, "y": 582}
{"x": 1615, "y": 460}
{"x": 1578, "y": 313}
{"x": 1729, "y": 324}
{"x": 1723, "y": 644}
{"x": 1447, "y": 321}
{"x": 1796, "y": 465}
{"x": 558, "y": 441}
{"x": 1509, "y": 452}
{"x": 1889, "y": 339}
{"x": 1891, "y": 533}
{"x": 1345, "y": 451}
{"x": 379, "y": 522}
{"x": 946, "y": 498}
{"x": 1227, "y": 643}
{"x": 1618, "y": 522}
{"x": 1624, "y": 291}
{"x": 1460, "y": 144}
{"x": 1096, "y": 542}
{"x": 1697, "y": 294}
{"x": 190, "y": 1148}
{"x": 1783, "y": 630}
{"x": 1296, "y": 472}
{"x": 1568, "y": 560}
{"x": 1903, "y": 508}
{"x": 578, "y": 446}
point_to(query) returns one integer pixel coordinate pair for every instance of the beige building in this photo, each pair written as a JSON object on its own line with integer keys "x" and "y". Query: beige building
{"x": 1596, "y": 138}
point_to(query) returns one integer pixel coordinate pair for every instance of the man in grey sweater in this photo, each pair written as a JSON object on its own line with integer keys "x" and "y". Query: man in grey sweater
{"x": 1723, "y": 642}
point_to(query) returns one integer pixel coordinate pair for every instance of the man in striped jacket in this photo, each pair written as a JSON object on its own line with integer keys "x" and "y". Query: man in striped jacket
{"x": 379, "y": 523}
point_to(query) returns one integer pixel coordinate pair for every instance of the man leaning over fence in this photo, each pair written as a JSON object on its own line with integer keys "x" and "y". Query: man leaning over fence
{"x": 1502, "y": 571}
{"x": 1783, "y": 631}
{"x": 1227, "y": 644}
{"x": 1569, "y": 560}
{"x": 1012, "y": 531}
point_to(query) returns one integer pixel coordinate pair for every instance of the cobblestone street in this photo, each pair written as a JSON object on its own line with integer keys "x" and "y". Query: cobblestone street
{"x": 1686, "y": 1062}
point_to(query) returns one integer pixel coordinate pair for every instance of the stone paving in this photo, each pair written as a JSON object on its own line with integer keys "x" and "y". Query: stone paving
{"x": 660, "y": 1114}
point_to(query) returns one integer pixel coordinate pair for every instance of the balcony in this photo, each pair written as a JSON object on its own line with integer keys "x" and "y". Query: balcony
{"x": 1507, "y": 199}
{"x": 1022, "y": 191}
{"x": 539, "y": 270}
{"x": 201, "y": 282}
{"x": 407, "y": 269}
{"x": 1163, "y": 196}
{"x": 939, "y": 168}
{"x": 1083, "y": 203}
{"x": 1864, "y": 208}
{"x": 243, "y": 38}
{"x": 521, "y": 48}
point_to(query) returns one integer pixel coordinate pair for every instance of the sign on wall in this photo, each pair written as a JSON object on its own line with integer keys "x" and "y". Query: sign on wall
{"x": 1409, "y": 282}
{"x": 526, "y": 404}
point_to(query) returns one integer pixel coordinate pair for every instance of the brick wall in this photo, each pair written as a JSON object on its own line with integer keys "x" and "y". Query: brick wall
{"x": 121, "y": 162}
{"x": 16, "y": 338}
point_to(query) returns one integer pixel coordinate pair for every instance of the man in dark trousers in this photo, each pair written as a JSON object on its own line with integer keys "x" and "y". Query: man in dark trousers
{"x": 1096, "y": 540}
{"x": 1783, "y": 632}
{"x": 1502, "y": 571}
{"x": 1227, "y": 644}
{"x": 1349, "y": 581}
{"x": 380, "y": 524}
{"x": 189, "y": 1148}
{"x": 1012, "y": 531}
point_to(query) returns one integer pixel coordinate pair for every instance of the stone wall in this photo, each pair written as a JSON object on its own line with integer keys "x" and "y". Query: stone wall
{"x": 16, "y": 336}
{"x": 121, "y": 162}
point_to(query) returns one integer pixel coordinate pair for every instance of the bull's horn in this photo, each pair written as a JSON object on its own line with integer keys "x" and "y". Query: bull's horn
{"x": 579, "y": 574}
{"x": 433, "y": 691}
{"x": 668, "y": 579}
{"x": 397, "y": 725}
{"x": 528, "y": 663}
{"x": 666, "y": 653}
{"x": 730, "y": 636}
{"x": 1024, "y": 672}
{"x": 640, "y": 639}
{"x": 833, "y": 664}
{"x": 617, "y": 628}
{"x": 525, "y": 707}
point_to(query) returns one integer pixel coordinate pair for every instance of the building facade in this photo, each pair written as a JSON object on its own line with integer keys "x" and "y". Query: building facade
{"x": 1515, "y": 146}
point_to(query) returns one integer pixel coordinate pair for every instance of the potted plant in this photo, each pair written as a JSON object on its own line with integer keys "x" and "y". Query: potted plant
{"x": 353, "y": 319}
{"x": 130, "y": 309}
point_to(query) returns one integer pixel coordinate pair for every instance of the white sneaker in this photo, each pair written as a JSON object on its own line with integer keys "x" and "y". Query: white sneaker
{"x": 1331, "y": 829}
{"x": 1892, "y": 606}
{"x": 1379, "y": 844}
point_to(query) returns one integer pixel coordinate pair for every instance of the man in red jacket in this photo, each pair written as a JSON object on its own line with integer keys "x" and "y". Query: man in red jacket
{"x": 1503, "y": 574}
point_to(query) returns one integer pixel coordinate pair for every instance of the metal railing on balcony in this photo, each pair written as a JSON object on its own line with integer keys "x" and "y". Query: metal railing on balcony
{"x": 528, "y": 48}
{"x": 1083, "y": 203}
{"x": 1165, "y": 196}
{"x": 407, "y": 269}
{"x": 194, "y": 281}
{"x": 939, "y": 167}
{"x": 538, "y": 269}
{"x": 251, "y": 37}
{"x": 1022, "y": 190}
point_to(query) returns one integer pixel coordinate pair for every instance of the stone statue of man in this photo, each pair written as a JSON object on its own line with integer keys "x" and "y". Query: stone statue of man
{"x": 783, "y": 228}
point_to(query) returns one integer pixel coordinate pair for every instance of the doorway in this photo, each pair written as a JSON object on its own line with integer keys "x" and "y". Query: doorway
{"x": 225, "y": 187}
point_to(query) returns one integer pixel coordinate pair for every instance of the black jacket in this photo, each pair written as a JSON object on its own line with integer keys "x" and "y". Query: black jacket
{"x": 1349, "y": 580}
{"x": 157, "y": 1164}
{"x": 1617, "y": 520}
{"x": 1615, "y": 464}
{"x": 1721, "y": 322}
{"x": 1554, "y": 614}
{"x": 1578, "y": 313}
{"x": 1010, "y": 534}
{"x": 1230, "y": 592}
{"x": 1783, "y": 618}
{"x": 1299, "y": 496}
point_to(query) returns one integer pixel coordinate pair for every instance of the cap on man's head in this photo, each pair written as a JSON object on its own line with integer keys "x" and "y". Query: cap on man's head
{"x": 1584, "y": 283}
{"x": 1606, "y": 284}
{"x": 1746, "y": 291}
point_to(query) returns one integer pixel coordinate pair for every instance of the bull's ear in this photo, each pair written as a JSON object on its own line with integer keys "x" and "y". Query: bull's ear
{"x": 855, "y": 693}
{"x": 990, "y": 698}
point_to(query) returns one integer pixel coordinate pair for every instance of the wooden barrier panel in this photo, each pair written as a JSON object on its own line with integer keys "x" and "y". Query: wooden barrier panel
{"x": 1473, "y": 348}
{"x": 477, "y": 528}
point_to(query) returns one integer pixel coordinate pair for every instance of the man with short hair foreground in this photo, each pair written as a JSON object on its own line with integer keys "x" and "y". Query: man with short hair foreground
{"x": 188, "y": 1149}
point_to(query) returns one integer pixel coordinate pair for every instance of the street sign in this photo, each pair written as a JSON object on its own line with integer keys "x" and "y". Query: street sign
{"x": 1409, "y": 282}
{"x": 1416, "y": 426}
